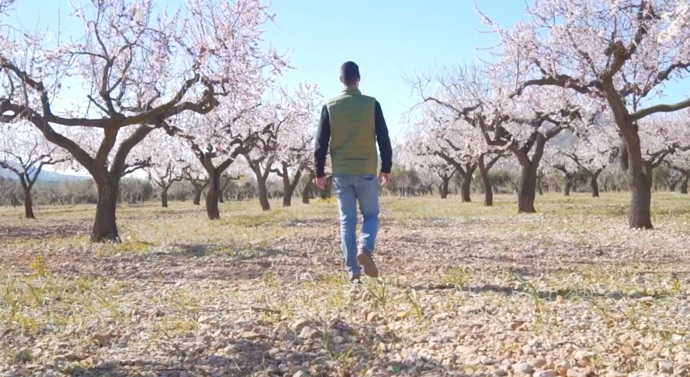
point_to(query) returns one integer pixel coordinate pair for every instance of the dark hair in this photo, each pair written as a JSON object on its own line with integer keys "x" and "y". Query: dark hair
{"x": 349, "y": 71}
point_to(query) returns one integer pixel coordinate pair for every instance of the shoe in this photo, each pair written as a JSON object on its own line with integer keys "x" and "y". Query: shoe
{"x": 370, "y": 269}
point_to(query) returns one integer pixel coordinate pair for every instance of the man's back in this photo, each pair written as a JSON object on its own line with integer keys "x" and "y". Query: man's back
{"x": 353, "y": 133}
{"x": 350, "y": 127}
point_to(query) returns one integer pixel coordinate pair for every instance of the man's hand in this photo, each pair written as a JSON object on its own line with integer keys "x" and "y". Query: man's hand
{"x": 384, "y": 178}
{"x": 321, "y": 182}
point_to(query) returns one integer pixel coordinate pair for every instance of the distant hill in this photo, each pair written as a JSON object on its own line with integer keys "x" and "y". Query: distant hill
{"x": 46, "y": 176}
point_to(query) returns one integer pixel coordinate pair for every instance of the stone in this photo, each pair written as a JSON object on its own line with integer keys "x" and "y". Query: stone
{"x": 681, "y": 371}
{"x": 574, "y": 373}
{"x": 546, "y": 373}
{"x": 516, "y": 325}
{"x": 205, "y": 319}
{"x": 523, "y": 368}
{"x": 665, "y": 366}
{"x": 250, "y": 335}
{"x": 562, "y": 366}
{"x": 539, "y": 362}
{"x": 584, "y": 355}
{"x": 309, "y": 332}
{"x": 299, "y": 324}
{"x": 466, "y": 350}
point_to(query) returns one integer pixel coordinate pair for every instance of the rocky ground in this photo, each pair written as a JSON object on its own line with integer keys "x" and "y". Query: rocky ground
{"x": 465, "y": 291}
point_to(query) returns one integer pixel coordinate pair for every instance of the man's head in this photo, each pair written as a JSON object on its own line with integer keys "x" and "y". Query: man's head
{"x": 349, "y": 74}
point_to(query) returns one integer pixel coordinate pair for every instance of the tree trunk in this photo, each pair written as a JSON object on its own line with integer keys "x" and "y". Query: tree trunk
{"x": 488, "y": 190}
{"x": 594, "y": 184}
{"x": 443, "y": 189}
{"x": 289, "y": 187}
{"x": 466, "y": 188}
{"x": 641, "y": 188}
{"x": 263, "y": 194}
{"x": 212, "y": 195}
{"x": 197, "y": 196}
{"x": 684, "y": 183}
{"x": 568, "y": 185}
{"x": 639, "y": 179}
{"x": 308, "y": 188}
{"x": 527, "y": 189}
{"x": 164, "y": 197}
{"x": 287, "y": 197}
{"x": 28, "y": 204}
{"x": 105, "y": 226}
{"x": 221, "y": 198}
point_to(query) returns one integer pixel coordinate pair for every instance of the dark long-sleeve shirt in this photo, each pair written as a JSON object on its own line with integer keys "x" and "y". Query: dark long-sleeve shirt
{"x": 323, "y": 138}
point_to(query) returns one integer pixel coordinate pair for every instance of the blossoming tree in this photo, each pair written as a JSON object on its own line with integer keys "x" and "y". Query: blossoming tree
{"x": 25, "y": 152}
{"x": 619, "y": 52}
{"x": 133, "y": 71}
{"x": 295, "y": 140}
{"x": 521, "y": 126}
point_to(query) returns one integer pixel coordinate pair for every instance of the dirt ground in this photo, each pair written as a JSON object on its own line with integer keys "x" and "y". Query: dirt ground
{"x": 464, "y": 290}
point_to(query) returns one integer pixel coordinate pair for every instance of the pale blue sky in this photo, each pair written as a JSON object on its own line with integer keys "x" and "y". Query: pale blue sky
{"x": 386, "y": 38}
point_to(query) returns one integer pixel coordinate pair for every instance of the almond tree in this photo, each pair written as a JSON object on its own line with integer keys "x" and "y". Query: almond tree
{"x": 444, "y": 148}
{"x": 485, "y": 162}
{"x": 521, "y": 126}
{"x": 263, "y": 154}
{"x": 217, "y": 140}
{"x": 24, "y": 152}
{"x": 309, "y": 185}
{"x": 664, "y": 137}
{"x": 138, "y": 69}
{"x": 295, "y": 140}
{"x": 619, "y": 52}
{"x": 455, "y": 114}
{"x": 680, "y": 162}
{"x": 196, "y": 175}
{"x": 592, "y": 151}
{"x": 261, "y": 160}
{"x": 457, "y": 146}
{"x": 416, "y": 153}
{"x": 167, "y": 164}
{"x": 554, "y": 161}
{"x": 5, "y": 4}
{"x": 524, "y": 128}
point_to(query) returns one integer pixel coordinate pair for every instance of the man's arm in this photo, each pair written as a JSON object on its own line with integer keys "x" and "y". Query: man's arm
{"x": 323, "y": 137}
{"x": 383, "y": 140}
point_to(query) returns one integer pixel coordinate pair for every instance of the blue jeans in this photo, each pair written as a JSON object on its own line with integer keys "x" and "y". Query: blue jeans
{"x": 351, "y": 190}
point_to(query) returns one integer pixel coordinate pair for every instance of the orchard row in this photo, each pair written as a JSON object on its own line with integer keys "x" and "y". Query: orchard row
{"x": 191, "y": 93}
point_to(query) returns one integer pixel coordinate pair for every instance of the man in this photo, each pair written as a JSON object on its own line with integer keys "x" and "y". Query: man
{"x": 353, "y": 124}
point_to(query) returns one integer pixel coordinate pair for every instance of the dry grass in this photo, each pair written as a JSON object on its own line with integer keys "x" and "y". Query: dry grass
{"x": 465, "y": 290}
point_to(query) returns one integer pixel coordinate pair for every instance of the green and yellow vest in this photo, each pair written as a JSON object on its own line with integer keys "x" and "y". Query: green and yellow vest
{"x": 353, "y": 133}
